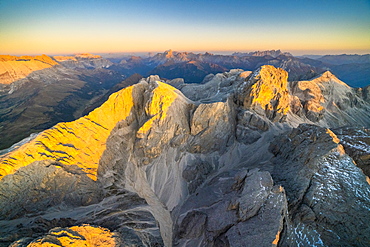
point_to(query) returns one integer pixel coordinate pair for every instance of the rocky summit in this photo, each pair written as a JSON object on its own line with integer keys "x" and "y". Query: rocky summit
{"x": 246, "y": 158}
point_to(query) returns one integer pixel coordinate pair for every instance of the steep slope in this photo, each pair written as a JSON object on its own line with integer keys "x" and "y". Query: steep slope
{"x": 330, "y": 102}
{"x": 13, "y": 68}
{"x": 356, "y": 142}
{"x": 84, "y": 139}
{"x": 238, "y": 170}
{"x": 51, "y": 95}
{"x": 328, "y": 196}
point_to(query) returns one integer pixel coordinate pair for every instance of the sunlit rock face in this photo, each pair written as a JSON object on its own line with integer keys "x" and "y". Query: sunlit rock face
{"x": 267, "y": 93}
{"x": 80, "y": 143}
{"x": 13, "y": 68}
{"x": 239, "y": 168}
{"x": 84, "y": 235}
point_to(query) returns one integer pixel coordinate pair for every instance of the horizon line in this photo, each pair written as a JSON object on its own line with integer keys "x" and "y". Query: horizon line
{"x": 217, "y": 52}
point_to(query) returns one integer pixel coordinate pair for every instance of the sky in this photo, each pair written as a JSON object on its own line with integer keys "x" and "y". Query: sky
{"x": 71, "y": 26}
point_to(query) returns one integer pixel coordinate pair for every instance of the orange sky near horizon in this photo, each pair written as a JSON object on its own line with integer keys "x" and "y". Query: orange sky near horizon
{"x": 49, "y": 27}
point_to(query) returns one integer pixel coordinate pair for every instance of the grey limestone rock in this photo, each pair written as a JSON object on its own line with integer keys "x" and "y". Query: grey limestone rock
{"x": 328, "y": 195}
{"x": 238, "y": 208}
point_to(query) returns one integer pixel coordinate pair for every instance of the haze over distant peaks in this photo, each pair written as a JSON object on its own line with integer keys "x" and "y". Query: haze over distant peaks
{"x": 345, "y": 59}
{"x": 74, "y": 58}
{"x": 272, "y": 53}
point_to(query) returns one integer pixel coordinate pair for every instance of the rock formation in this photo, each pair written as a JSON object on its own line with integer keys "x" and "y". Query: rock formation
{"x": 84, "y": 235}
{"x": 13, "y": 68}
{"x": 240, "y": 160}
{"x": 267, "y": 93}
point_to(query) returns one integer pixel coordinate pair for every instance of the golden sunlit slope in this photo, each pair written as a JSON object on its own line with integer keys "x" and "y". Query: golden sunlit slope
{"x": 268, "y": 92}
{"x": 163, "y": 96}
{"x": 13, "y": 68}
{"x": 82, "y": 142}
{"x": 84, "y": 235}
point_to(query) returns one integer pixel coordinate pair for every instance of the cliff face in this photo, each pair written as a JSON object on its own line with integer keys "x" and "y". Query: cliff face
{"x": 13, "y": 68}
{"x": 81, "y": 142}
{"x": 243, "y": 164}
{"x": 267, "y": 93}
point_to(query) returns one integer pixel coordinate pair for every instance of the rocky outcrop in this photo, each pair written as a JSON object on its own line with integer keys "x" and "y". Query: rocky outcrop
{"x": 231, "y": 205}
{"x": 14, "y": 68}
{"x": 215, "y": 88}
{"x": 356, "y": 142}
{"x": 328, "y": 195}
{"x": 84, "y": 235}
{"x": 266, "y": 92}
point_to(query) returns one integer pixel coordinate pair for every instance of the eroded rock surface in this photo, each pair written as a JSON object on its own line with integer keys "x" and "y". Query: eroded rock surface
{"x": 356, "y": 142}
{"x": 328, "y": 195}
{"x": 231, "y": 205}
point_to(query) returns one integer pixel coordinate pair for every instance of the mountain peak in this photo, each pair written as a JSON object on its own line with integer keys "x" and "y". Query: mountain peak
{"x": 267, "y": 92}
{"x": 54, "y": 143}
{"x": 168, "y": 53}
{"x": 328, "y": 76}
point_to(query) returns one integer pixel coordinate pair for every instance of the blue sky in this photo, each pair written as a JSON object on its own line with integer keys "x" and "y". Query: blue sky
{"x": 52, "y": 27}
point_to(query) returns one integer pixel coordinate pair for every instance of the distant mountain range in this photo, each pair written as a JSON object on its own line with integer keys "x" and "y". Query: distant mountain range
{"x": 194, "y": 67}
